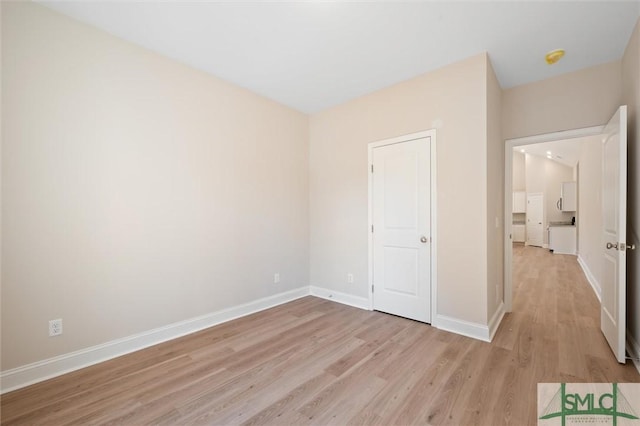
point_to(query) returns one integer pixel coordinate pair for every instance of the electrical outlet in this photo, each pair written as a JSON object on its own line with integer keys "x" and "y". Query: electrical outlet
{"x": 350, "y": 278}
{"x": 276, "y": 278}
{"x": 55, "y": 327}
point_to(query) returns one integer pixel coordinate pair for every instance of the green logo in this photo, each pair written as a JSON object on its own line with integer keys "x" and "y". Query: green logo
{"x": 612, "y": 404}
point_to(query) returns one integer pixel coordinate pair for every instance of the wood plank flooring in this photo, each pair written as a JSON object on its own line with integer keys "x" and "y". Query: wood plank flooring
{"x": 313, "y": 361}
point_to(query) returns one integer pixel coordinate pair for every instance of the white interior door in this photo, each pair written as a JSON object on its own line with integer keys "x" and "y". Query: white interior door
{"x": 402, "y": 229}
{"x": 614, "y": 217}
{"x": 534, "y": 220}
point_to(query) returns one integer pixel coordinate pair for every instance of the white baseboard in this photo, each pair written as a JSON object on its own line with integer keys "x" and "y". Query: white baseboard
{"x": 633, "y": 348}
{"x": 344, "y": 298}
{"x": 595, "y": 285}
{"x": 49, "y": 368}
{"x": 454, "y": 325}
{"x": 46, "y": 369}
{"x": 495, "y": 321}
{"x": 465, "y": 328}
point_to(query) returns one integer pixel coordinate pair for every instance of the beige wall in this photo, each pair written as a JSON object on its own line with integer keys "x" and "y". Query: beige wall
{"x": 590, "y": 205}
{"x": 631, "y": 97}
{"x": 546, "y": 176}
{"x": 136, "y": 192}
{"x": 579, "y": 99}
{"x": 452, "y": 100}
{"x": 495, "y": 194}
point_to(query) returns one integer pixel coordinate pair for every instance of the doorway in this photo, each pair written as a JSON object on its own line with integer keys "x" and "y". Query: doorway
{"x": 509, "y": 146}
{"x": 402, "y": 226}
{"x": 612, "y": 173}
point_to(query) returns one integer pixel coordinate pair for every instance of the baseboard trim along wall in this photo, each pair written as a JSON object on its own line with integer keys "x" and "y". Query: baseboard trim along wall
{"x": 495, "y": 321}
{"x": 49, "y": 368}
{"x": 633, "y": 349}
{"x": 595, "y": 285}
{"x": 46, "y": 369}
{"x": 453, "y": 325}
{"x": 466, "y": 328}
{"x": 344, "y": 298}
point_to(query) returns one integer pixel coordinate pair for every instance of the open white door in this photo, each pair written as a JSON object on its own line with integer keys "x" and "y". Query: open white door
{"x": 614, "y": 217}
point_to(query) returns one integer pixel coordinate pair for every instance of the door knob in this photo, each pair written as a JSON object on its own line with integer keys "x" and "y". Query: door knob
{"x": 423, "y": 239}
{"x": 612, "y": 245}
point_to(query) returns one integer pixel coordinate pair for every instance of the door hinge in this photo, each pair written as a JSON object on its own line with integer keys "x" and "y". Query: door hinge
{"x": 372, "y": 168}
{"x": 371, "y": 288}
{"x": 371, "y": 228}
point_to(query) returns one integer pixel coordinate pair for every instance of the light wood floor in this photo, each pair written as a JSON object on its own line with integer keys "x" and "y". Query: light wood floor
{"x": 313, "y": 361}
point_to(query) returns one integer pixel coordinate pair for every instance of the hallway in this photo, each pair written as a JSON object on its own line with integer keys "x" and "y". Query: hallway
{"x": 556, "y": 310}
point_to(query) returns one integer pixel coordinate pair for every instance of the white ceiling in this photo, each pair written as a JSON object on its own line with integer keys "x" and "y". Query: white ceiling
{"x": 316, "y": 54}
{"x": 566, "y": 151}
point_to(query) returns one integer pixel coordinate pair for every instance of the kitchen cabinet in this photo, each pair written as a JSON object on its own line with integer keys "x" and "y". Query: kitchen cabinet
{"x": 562, "y": 239}
{"x": 569, "y": 197}
{"x": 518, "y": 233}
{"x": 519, "y": 202}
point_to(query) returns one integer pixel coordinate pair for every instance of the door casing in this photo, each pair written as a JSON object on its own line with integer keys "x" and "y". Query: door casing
{"x": 405, "y": 138}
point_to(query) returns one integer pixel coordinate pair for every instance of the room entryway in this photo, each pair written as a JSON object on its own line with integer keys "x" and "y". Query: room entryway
{"x": 605, "y": 238}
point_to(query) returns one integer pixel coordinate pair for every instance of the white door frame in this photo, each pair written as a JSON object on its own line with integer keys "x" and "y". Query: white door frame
{"x": 405, "y": 138}
{"x": 509, "y": 144}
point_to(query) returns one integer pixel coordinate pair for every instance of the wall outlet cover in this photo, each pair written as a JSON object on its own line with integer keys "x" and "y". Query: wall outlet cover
{"x": 55, "y": 327}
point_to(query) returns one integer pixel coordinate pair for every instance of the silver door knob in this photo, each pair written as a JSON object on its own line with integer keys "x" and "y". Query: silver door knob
{"x": 612, "y": 245}
{"x": 423, "y": 239}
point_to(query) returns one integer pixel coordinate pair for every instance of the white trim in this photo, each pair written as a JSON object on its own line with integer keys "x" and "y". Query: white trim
{"x": 495, "y": 321}
{"x": 433, "y": 203}
{"x": 402, "y": 138}
{"x": 507, "y": 296}
{"x": 465, "y": 328}
{"x": 557, "y": 136}
{"x": 434, "y": 232}
{"x": 595, "y": 285}
{"x": 344, "y": 298}
{"x": 46, "y": 369}
{"x": 509, "y": 144}
{"x": 634, "y": 350}
{"x": 472, "y": 329}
